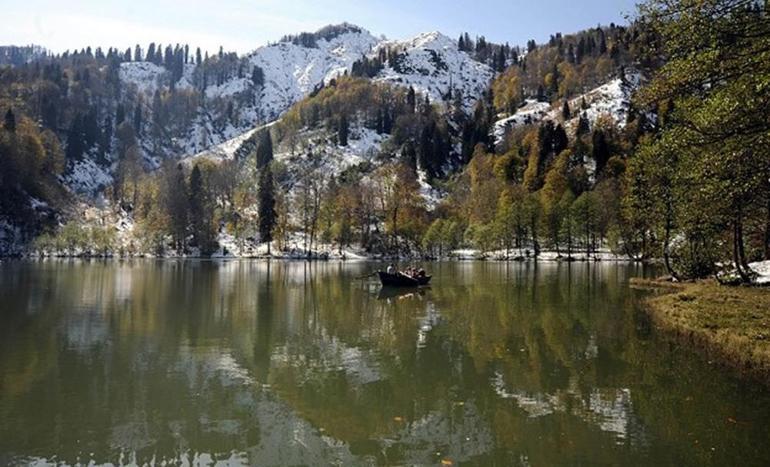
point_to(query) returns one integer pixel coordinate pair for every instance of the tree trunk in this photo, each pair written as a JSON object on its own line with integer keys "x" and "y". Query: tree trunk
{"x": 667, "y": 250}
{"x": 767, "y": 231}
{"x": 742, "y": 250}
{"x": 736, "y": 252}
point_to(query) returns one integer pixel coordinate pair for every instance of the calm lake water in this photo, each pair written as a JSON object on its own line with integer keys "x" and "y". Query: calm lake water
{"x": 247, "y": 362}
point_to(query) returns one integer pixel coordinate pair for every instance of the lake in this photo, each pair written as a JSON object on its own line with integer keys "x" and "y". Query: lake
{"x": 279, "y": 363}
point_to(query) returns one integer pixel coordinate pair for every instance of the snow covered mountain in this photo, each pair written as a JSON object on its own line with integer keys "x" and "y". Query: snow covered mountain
{"x": 292, "y": 69}
{"x": 433, "y": 65}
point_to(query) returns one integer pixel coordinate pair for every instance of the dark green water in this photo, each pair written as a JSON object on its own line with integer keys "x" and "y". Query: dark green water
{"x": 299, "y": 364}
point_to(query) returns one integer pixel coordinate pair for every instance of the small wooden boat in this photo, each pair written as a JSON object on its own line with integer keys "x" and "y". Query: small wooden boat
{"x": 402, "y": 280}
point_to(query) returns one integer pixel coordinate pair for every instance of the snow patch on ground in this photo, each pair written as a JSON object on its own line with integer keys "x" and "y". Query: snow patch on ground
{"x": 612, "y": 99}
{"x": 86, "y": 177}
{"x": 762, "y": 269}
{"x": 531, "y": 112}
{"x": 144, "y": 75}
{"x": 320, "y": 153}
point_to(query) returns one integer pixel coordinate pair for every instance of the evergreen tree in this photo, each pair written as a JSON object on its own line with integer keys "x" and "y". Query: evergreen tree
{"x": 76, "y": 144}
{"x": 266, "y": 200}
{"x": 176, "y": 201}
{"x": 600, "y": 150}
{"x": 565, "y": 111}
{"x": 138, "y": 119}
{"x": 411, "y": 99}
{"x": 257, "y": 76}
{"x": 201, "y": 215}
{"x": 264, "y": 153}
{"x": 583, "y": 127}
{"x": 554, "y": 87}
{"x": 342, "y": 130}
{"x": 10, "y": 121}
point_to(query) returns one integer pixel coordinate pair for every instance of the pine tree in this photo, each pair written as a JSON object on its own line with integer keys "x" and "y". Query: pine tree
{"x": 203, "y": 230}
{"x": 257, "y": 76}
{"x": 267, "y": 213}
{"x": 583, "y": 127}
{"x": 10, "y": 121}
{"x": 138, "y": 119}
{"x": 342, "y": 130}
{"x": 600, "y": 150}
{"x": 264, "y": 152}
{"x": 75, "y": 139}
{"x": 565, "y": 111}
{"x": 554, "y": 88}
{"x": 411, "y": 99}
{"x": 176, "y": 200}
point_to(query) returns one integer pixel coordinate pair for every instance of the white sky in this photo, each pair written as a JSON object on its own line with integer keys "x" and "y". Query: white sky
{"x": 243, "y": 25}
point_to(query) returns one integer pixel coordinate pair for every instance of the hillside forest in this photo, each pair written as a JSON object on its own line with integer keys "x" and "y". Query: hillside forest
{"x": 683, "y": 176}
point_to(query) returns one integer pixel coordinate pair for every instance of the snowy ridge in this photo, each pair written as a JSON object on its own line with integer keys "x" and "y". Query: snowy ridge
{"x": 292, "y": 71}
{"x": 612, "y": 99}
{"x": 433, "y": 65}
{"x": 227, "y": 149}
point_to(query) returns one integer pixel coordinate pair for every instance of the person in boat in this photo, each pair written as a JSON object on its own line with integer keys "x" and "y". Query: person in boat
{"x": 391, "y": 269}
{"x": 421, "y": 273}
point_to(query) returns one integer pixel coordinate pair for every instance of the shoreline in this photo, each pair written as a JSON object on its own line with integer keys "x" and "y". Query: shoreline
{"x": 728, "y": 325}
{"x": 332, "y": 258}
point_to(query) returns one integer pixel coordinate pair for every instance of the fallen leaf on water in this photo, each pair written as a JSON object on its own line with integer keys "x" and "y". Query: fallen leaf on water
{"x": 446, "y": 462}
{"x": 398, "y": 419}
{"x": 732, "y": 420}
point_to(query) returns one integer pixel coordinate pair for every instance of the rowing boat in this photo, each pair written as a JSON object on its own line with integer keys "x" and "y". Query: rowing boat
{"x": 402, "y": 280}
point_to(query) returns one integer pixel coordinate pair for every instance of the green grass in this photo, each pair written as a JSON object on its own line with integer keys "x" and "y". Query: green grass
{"x": 731, "y": 324}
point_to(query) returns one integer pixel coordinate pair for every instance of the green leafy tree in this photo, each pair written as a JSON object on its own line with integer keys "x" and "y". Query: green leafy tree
{"x": 716, "y": 81}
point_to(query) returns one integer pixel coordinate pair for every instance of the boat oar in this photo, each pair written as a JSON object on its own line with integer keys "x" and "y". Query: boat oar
{"x": 366, "y": 276}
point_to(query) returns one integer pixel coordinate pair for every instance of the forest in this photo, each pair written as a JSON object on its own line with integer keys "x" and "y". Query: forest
{"x": 685, "y": 178}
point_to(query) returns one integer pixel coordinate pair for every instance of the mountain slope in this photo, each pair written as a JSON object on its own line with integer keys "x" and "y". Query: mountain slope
{"x": 433, "y": 65}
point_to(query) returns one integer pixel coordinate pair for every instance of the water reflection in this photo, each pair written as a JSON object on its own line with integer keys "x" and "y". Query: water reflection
{"x": 301, "y": 364}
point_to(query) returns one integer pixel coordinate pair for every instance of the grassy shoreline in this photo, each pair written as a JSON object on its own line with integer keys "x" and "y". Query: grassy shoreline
{"x": 730, "y": 325}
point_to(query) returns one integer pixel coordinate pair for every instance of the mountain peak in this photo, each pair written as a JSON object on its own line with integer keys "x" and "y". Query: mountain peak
{"x": 327, "y": 33}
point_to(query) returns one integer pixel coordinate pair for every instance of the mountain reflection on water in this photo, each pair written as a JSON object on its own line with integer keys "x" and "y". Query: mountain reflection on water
{"x": 249, "y": 362}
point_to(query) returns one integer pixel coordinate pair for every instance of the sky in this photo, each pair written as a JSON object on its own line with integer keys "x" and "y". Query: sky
{"x": 244, "y": 25}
